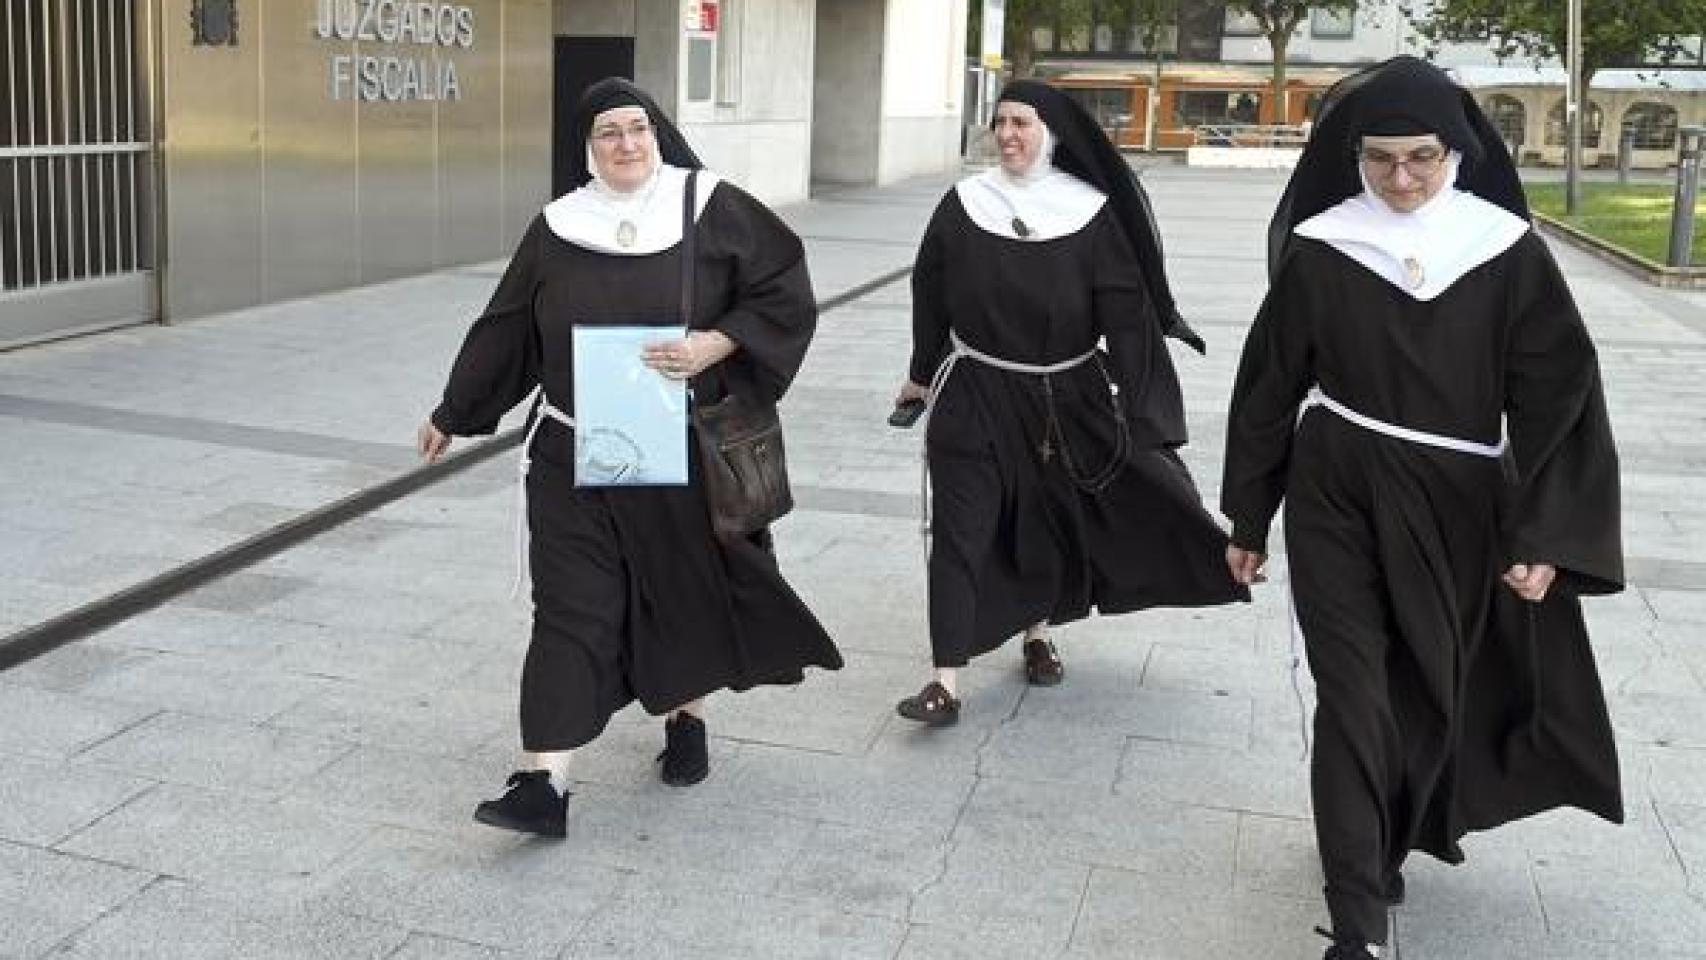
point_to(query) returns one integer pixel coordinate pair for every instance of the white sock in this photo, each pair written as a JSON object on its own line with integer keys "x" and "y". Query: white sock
{"x": 946, "y": 677}
{"x": 556, "y": 763}
{"x": 1037, "y": 631}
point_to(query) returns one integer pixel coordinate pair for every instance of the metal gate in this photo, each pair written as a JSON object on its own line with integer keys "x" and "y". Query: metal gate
{"x": 76, "y": 247}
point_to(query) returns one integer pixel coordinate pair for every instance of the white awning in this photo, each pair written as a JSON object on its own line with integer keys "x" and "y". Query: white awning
{"x": 1527, "y": 75}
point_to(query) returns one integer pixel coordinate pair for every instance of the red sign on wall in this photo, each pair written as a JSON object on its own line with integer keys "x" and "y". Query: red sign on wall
{"x": 702, "y": 16}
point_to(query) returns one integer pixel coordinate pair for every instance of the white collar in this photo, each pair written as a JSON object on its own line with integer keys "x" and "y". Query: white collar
{"x": 1424, "y": 252}
{"x": 1049, "y": 201}
{"x": 591, "y": 216}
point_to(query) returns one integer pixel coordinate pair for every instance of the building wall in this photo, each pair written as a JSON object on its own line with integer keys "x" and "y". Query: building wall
{"x": 593, "y": 18}
{"x": 755, "y": 127}
{"x": 848, "y": 98}
{"x": 923, "y": 88}
{"x": 1538, "y": 101}
{"x": 1379, "y": 31}
{"x": 281, "y": 181}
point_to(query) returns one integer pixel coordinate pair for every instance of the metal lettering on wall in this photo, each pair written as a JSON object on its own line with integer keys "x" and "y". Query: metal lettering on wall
{"x": 441, "y": 26}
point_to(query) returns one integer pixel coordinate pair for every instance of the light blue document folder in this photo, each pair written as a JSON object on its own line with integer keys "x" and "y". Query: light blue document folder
{"x": 630, "y": 420}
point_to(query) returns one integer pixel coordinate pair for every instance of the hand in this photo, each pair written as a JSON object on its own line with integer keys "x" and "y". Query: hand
{"x": 911, "y": 391}
{"x": 1530, "y": 581}
{"x": 689, "y": 356}
{"x": 1245, "y": 565}
{"x": 431, "y": 442}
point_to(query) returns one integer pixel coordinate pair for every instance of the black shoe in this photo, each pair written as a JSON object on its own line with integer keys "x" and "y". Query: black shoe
{"x": 933, "y": 705}
{"x": 685, "y": 760}
{"x": 530, "y": 805}
{"x": 1042, "y": 663}
{"x": 1345, "y": 949}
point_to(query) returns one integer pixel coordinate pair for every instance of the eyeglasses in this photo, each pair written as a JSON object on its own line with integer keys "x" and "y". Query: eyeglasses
{"x": 611, "y": 135}
{"x": 1420, "y": 164}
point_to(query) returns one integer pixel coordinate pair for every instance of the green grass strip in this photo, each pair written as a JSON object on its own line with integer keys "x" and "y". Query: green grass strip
{"x": 1633, "y": 216}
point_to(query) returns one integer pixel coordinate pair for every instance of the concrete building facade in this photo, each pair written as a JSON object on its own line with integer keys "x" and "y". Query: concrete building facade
{"x": 170, "y": 159}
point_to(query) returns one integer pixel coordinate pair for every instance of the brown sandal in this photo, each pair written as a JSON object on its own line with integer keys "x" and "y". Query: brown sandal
{"x": 933, "y": 705}
{"x": 1042, "y": 663}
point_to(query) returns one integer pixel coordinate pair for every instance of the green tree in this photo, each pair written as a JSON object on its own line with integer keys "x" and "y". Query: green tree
{"x": 1614, "y": 32}
{"x": 1066, "y": 17}
{"x": 1279, "y": 20}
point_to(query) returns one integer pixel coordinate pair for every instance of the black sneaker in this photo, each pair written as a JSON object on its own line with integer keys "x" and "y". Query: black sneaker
{"x": 685, "y": 760}
{"x": 530, "y": 805}
{"x": 1349, "y": 949}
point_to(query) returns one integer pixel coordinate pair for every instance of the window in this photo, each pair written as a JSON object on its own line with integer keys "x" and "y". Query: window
{"x": 1104, "y": 38}
{"x": 1654, "y": 125}
{"x": 1558, "y": 134}
{"x": 1242, "y": 25}
{"x": 1509, "y": 117}
{"x": 1147, "y": 40}
{"x": 1042, "y": 39}
{"x": 701, "y": 61}
{"x": 1332, "y": 24}
{"x": 1195, "y": 108}
{"x": 1111, "y": 106}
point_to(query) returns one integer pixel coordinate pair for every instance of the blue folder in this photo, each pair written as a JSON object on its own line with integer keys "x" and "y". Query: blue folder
{"x": 630, "y": 420}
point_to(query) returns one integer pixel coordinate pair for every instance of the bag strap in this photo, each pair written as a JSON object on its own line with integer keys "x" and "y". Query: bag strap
{"x": 687, "y": 252}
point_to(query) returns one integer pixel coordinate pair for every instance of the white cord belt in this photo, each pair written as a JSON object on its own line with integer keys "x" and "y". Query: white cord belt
{"x": 1318, "y": 399}
{"x": 523, "y": 465}
{"x": 961, "y": 351}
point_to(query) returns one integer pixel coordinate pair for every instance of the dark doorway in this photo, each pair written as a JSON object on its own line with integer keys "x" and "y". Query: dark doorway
{"x": 580, "y": 63}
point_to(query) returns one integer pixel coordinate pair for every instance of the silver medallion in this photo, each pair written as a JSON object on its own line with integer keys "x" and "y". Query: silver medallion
{"x": 1413, "y": 273}
{"x": 626, "y": 233}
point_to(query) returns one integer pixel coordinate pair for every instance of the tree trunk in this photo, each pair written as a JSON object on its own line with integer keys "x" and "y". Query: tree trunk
{"x": 1280, "y": 41}
{"x": 1019, "y": 41}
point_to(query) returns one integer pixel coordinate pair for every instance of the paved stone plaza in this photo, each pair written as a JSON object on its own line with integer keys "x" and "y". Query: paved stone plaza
{"x": 283, "y": 763}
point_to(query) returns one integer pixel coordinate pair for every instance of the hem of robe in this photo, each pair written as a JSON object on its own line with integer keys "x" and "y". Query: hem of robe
{"x": 661, "y": 705}
{"x": 1102, "y": 608}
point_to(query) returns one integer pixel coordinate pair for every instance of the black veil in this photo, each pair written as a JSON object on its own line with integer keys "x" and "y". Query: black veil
{"x": 1403, "y": 94}
{"x": 1083, "y": 150}
{"x": 608, "y": 94}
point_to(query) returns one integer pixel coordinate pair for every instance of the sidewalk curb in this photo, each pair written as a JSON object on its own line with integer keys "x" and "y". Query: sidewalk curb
{"x": 1657, "y": 274}
{"x": 103, "y": 612}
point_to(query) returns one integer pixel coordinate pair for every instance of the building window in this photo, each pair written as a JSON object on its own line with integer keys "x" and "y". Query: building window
{"x": 1655, "y": 125}
{"x": 1042, "y": 39}
{"x": 701, "y": 64}
{"x": 1678, "y": 51}
{"x": 1332, "y": 24}
{"x": 1509, "y": 117}
{"x": 1242, "y": 25}
{"x": 1073, "y": 40}
{"x": 1164, "y": 39}
{"x": 1558, "y": 134}
{"x": 1215, "y": 108}
{"x": 1104, "y": 41}
{"x": 1111, "y": 106}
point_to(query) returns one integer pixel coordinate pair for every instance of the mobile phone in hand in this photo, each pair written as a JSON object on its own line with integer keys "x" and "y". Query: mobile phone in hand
{"x": 906, "y": 414}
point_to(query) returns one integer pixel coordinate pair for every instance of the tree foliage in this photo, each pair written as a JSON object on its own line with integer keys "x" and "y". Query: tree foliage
{"x": 1066, "y": 17}
{"x": 1614, "y": 32}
